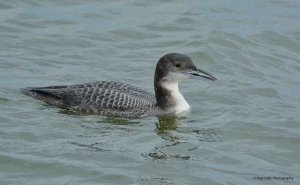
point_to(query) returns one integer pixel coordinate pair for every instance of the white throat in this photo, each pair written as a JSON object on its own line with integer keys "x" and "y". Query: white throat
{"x": 180, "y": 103}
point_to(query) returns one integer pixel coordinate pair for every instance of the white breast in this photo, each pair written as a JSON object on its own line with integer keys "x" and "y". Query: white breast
{"x": 181, "y": 104}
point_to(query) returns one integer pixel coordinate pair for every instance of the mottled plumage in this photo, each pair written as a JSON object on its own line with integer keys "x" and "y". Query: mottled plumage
{"x": 107, "y": 98}
{"x": 111, "y": 98}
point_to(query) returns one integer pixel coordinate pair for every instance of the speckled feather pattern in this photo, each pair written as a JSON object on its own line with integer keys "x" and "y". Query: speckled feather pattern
{"x": 106, "y": 98}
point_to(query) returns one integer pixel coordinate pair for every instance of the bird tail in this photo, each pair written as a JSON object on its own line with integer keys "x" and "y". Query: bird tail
{"x": 51, "y": 95}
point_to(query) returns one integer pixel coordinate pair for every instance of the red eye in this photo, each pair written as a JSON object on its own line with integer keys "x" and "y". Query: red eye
{"x": 177, "y": 65}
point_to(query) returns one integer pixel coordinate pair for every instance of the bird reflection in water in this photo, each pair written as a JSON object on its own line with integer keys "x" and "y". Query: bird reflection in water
{"x": 165, "y": 126}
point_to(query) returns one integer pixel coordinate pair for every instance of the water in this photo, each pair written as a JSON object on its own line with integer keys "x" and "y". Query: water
{"x": 245, "y": 125}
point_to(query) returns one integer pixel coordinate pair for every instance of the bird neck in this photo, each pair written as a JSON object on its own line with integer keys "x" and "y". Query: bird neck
{"x": 168, "y": 96}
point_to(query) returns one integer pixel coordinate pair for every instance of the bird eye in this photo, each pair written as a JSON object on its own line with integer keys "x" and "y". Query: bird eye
{"x": 177, "y": 64}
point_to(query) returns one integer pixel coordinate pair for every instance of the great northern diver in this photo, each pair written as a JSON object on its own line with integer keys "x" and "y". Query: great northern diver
{"x": 109, "y": 98}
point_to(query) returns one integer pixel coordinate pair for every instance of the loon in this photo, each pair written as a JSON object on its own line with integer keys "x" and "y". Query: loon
{"x": 110, "y": 98}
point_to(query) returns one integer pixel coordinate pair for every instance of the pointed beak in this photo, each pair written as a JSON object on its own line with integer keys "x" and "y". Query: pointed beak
{"x": 203, "y": 74}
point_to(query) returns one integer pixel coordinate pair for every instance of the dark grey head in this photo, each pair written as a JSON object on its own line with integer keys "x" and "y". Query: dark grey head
{"x": 176, "y": 67}
{"x": 170, "y": 70}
